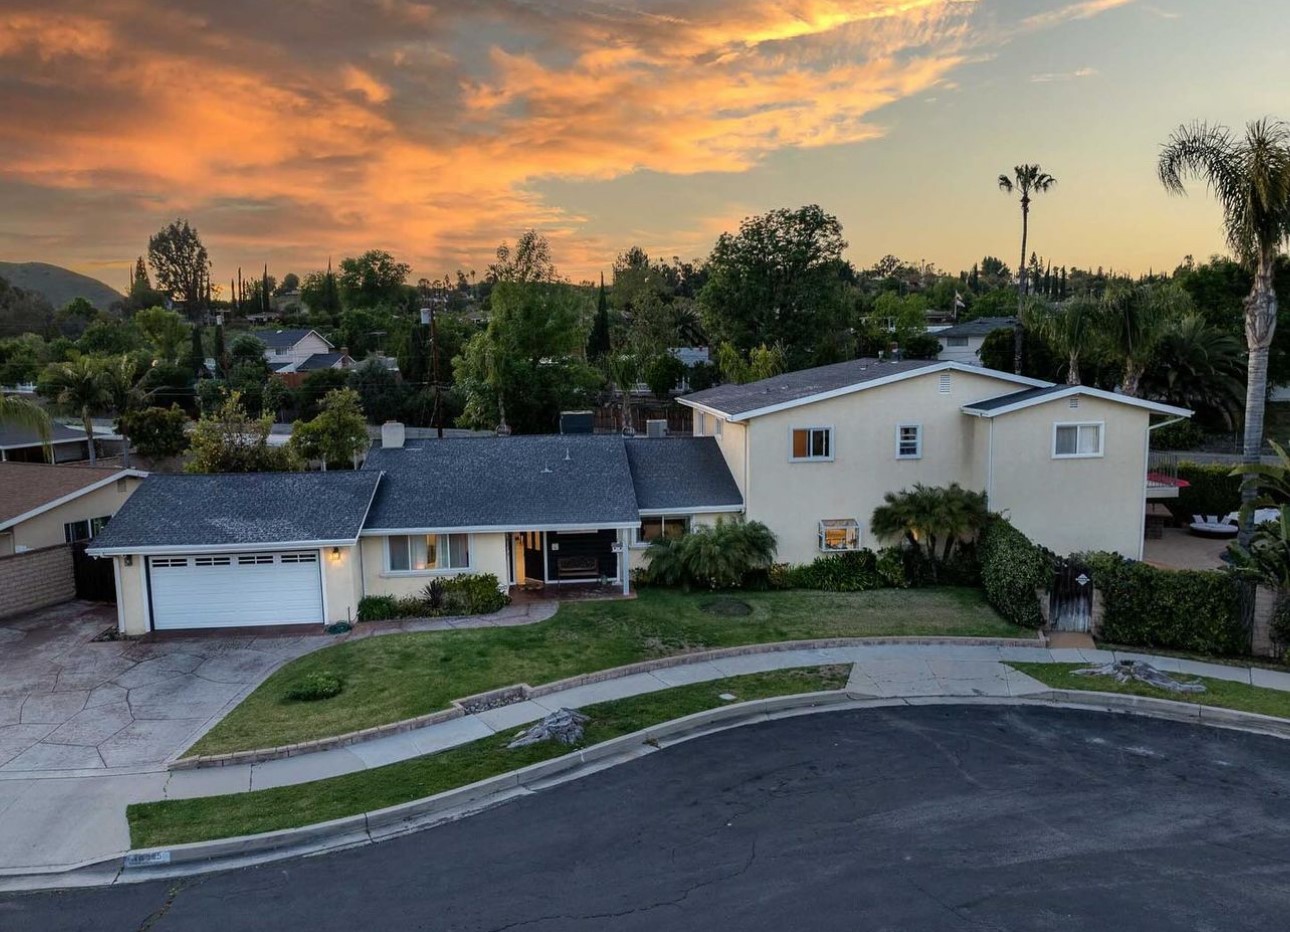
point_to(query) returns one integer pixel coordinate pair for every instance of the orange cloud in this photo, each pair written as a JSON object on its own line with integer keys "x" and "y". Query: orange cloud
{"x": 423, "y": 129}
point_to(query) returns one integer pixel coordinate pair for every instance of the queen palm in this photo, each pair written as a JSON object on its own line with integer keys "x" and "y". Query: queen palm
{"x": 1133, "y": 320}
{"x": 1071, "y": 329}
{"x": 1028, "y": 180}
{"x": 22, "y": 413}
{"x": 79, "y": 386}
{"x": 1250, "y": 176}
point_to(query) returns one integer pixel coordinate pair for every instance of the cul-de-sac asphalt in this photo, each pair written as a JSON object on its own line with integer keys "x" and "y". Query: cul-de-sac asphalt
{"x": 922, "y": 818}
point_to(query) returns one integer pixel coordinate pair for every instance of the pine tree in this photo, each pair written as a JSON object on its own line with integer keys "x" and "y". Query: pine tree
{"x": 140, "y": 275}
{"x": 598, "y": 343}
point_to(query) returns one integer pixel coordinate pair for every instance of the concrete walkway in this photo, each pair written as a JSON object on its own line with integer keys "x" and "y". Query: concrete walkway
{"x": 53, "y": 821}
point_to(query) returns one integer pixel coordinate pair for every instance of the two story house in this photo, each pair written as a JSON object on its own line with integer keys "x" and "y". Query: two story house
{"x": 810, "y": 454}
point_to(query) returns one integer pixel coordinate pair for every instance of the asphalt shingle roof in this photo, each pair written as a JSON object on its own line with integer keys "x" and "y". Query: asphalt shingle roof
{"x": 513, "y": 482}
{"x": 680, "y": 472}
{"x": 241, "y": 509}
{"x": 735, "y": 400}
{"x": 982, "y": 326}
{"x": 1002, "y": 401}
{"x": 282, "y": 339}
{"x": 25, "y": 487}
{"x": 320, "y": 361}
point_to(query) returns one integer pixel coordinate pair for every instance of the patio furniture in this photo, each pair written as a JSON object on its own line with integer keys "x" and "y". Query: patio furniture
{"x": 1261, "y": 516}
{"x": 1211, "y": 526}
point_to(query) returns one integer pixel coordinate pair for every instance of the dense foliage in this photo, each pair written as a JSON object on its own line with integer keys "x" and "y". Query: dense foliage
{"x": 465, "y": 594}
{"x": 1212, "y": 489}
{"x": 1191, "y": 610}
{"x": 937, "y": 523}
{"x": 1013, "y": 570}
{"x": 716, "y": 556}
{"x": 854, "y": 571}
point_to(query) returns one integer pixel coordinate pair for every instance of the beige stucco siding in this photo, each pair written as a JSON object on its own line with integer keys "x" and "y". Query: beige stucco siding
{"x": 342, "y": 583}
{"x": 46, "y": 529}
{"x": 488, "y": 555}
{"x": 792, "y": 497}
{"x": 131, "y": 596}
{"x": 1068, "y": 505}
{"x": 733, "y": 442}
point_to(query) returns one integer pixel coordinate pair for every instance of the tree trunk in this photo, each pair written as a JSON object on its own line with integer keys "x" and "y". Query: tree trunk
{"x": 89, "y": 433}
{"x": 125, "y": 446}
{"x": 1260, "y": 325}
{"x": 1021, "y": 284}
{"x": 1072, "y": 369}
{"x": 1132, "y": 379}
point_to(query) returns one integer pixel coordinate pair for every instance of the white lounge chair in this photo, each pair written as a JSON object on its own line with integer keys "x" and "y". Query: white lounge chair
{"x": 1212, "y": 526}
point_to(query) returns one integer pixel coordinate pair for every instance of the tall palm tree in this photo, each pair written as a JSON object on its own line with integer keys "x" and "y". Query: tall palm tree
{"x": 121, "y": 382}
{"x": 1071, "y": 329}
{"x": 79, "y": 386}
{"x": 1134, "y": 319}
{"x": 1029, "y": 180}
{"x": 21, "y": 412}
{"x": 1250, "y": 176}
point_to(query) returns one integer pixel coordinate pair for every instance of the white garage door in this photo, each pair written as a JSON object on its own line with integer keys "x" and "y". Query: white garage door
{"x": 235, "y": 590}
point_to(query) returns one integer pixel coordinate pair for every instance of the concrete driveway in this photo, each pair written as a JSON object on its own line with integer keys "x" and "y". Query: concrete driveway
{"x": 70, "y": 705}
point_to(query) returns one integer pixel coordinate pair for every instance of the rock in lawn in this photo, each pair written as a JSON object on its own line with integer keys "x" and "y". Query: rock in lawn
{"x": 563, "y": 725}
{"x": 1126, "y": 671}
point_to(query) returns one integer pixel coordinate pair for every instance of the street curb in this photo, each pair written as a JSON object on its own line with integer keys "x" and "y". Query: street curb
{"x": 523, "y": 692}
{"x": 367, "y": 828}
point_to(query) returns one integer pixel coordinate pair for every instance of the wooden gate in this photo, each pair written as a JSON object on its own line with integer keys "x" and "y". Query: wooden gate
{"x": 1070, "y": 603}
{"x": 95, "y": 580}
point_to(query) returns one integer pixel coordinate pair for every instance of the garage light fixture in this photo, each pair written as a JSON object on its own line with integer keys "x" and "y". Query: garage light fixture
{"x": 335, "y": 553}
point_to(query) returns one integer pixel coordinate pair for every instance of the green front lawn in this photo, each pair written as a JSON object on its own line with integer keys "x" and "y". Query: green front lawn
{"x": 176, "y": 821}
{"x": 1221, "y": 693}
{"x": 399, "y": 676}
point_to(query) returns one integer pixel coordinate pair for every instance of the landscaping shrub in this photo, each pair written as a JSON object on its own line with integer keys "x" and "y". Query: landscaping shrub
{"x": 1184, "y": 435}
{"x": 1191, "y": 610}
{"x": 316, "y": 686}
{"x": 467, "y": 594}
{"x": 890, "y": 567}
{"x": 1012, "y": 569}
{"x": 1212, "y": 490}
{"x": 377, "y": 608}
{"x": 720, "y": 556}
{"x": 854, "y": 571}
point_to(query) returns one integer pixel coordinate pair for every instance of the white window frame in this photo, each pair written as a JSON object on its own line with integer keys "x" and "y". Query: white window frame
{"x": 1078, "y": 425}
{"x": 955, "y": 342}
{"x": 437, "y": 571}
{"x": 918, "y": 441}
{"x": 851, "y": 525}
{"x": 828, "y": 429}
{"x": 639, "y": 542}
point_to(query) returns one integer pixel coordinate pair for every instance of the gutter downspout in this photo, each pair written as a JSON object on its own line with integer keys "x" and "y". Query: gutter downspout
{"x": 1146, "y": 467}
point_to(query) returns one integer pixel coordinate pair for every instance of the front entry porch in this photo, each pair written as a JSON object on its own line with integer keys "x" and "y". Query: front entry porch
{"x": 594, "y": 558}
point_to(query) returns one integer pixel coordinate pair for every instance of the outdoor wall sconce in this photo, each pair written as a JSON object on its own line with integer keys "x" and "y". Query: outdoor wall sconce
{"x": 335, "y": 553}
{"x": 129, "y": 560}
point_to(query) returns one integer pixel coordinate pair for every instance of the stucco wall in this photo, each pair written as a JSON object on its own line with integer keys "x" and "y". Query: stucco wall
{"x": 791, "y": 498}
{"x": 1073, "y": 504}
{"x": 636, "y": 552}
{"x": 46, "y": 530}
{"x": 342, "y": 582}
{"x": 131, "y": 597}
{"x": 488, "y": 555}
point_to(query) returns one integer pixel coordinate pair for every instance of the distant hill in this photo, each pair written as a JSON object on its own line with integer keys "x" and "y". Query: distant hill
{"x": 58, "y": 285}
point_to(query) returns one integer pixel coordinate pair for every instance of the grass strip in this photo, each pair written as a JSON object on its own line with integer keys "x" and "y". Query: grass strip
{"x": 400, "y": 676}
{"x": 176, "y": 821}
{"x": 1223, "y": 694}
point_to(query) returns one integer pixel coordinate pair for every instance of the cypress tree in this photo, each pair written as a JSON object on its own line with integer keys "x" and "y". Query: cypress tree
{"x": 196, "y": 355}
{"x": 219, "y": 349}
{"x": 598, "y": 343}
{"x": 264, "y": 291}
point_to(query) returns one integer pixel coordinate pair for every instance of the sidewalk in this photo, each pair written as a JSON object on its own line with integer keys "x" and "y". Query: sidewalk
{"x": 54, "y": 821}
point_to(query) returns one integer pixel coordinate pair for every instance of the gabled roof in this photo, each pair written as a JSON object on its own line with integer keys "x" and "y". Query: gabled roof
{"x": 13, "y": 436}
{"x": 240, "y": 511}
{"x": 321, "y": 361}
{"x": 1017, "y": 401}
{"x": 740, "y": 402}
{"x": 681, "y": 474}
{"x": 285, "y": 339}
{"x": 31, "y": 489}
{"x": 982, "y": 326}
{"x": 541, "y": 482}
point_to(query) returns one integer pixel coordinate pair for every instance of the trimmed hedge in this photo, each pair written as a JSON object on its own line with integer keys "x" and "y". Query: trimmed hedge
{"x": 1012, "y": 569}
{"x": 854, "y": 571}
{"x": 1189, "y": 610}
{"x": 467, "y": 594}
{"x": 1213, "y": 490}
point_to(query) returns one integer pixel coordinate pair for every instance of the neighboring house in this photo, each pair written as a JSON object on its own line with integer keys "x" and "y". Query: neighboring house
{"x": 814, "y": 452}
{"x": 23, "y": 445}
{"x": 962, "y": 342}
{"x": 304, "y": 548}
{"x": 45, "y": 506}
{"x": 290, "y": 348}
{"x": 811, "y": 454}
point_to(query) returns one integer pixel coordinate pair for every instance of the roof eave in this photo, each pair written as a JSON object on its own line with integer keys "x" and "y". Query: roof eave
{"x": 71, "y": 497}
{"x": 157, "y": 549}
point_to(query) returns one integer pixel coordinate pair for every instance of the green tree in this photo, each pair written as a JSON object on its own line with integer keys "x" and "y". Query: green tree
{"x": 290, "y": 282}
{"x": 181, "y": 264}
{"x": 373, "y": 279}
{"x": 379, "y": 391}
{"x": 337, "y": 436}
{"x": 1133, "y": 319}
{"x": 230, "y": 440}
{"x": 934, "y": 521}
{"x": 79, "y": 387}
{"x": 716, "y": 556}
{"x": 1071, "y": 329}
{"x": 1028, "y": 181}
{"x": 157, "y": 433}
{"x": 121, "y": 375}
{"x": 598, "y": 343}
{"x": 528, "y": 262}
{"x": 316, "y": 386}
{"x": 777, "y": 281}
{"x": 248, "y": 348}
{"x": 320, "y": 292}
{"x": 525, "y": 365}
{"x": 109, "y": 336}
{"x": 1198, "y": 366}
{"x": 196, "y": 354}
{"x": 20, "y": 412}
{"x": 663, "y": 372}
{"x": 164, "y": 329}
{"x": 1250, "y": 176}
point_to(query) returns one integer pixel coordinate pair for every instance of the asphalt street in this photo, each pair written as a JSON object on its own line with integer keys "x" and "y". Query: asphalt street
{"x": 923, "y": 818}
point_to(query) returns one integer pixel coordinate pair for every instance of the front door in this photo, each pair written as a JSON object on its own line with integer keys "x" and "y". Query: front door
{"x": 533, "y": 565}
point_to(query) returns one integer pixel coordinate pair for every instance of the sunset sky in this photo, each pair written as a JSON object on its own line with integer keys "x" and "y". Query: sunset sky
{"x": 287, "y": 132}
